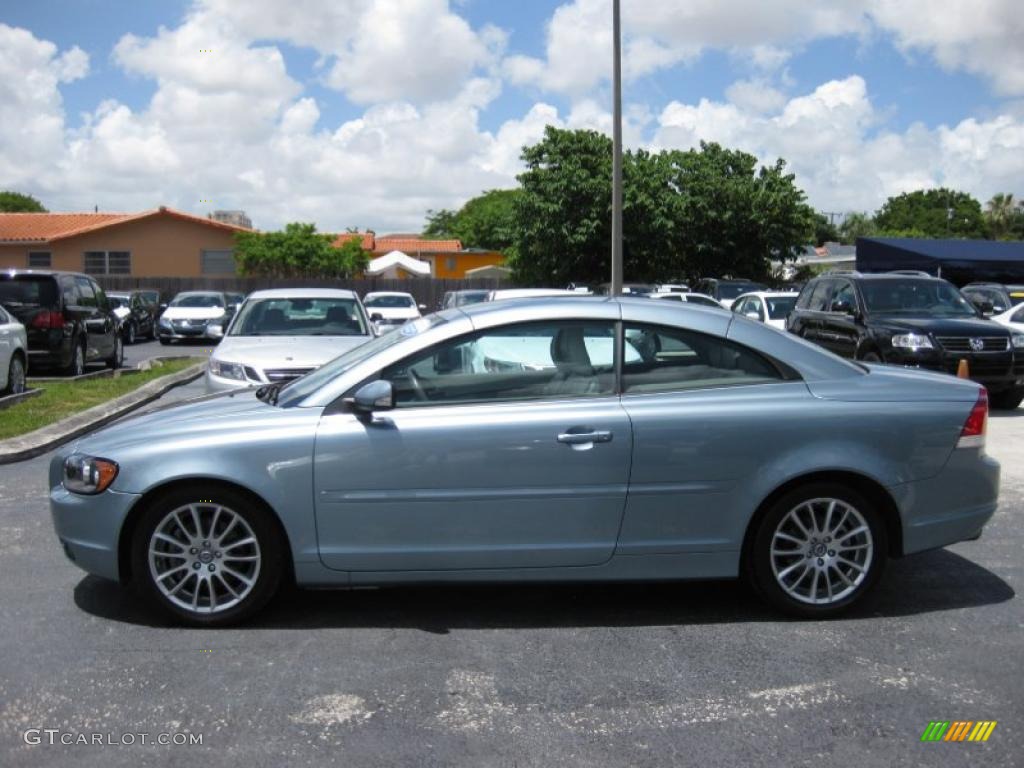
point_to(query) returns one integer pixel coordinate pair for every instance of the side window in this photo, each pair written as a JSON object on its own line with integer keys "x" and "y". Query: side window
{"x": 819, "y": 298}
{"x": 525, "y": 362}
{"x": 86, "y": 296}
{"x": 660, "y": 359}
{"x": 739, "y": 307}
{"x": 844, "y": 295}
{"x": 1018, "y": 316}
{"x": 101, "y": 297}
{"x": 754, "y": 305}
{"x": 67, "y": 287}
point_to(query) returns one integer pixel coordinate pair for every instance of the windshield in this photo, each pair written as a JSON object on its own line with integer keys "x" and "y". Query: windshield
{"x": 300, "y": 317}
{"x": 198, "y": 300}
{"x": 388, "y": 302}
{"x": 298, "y": 389}
{"x": 932, "y": 298}
{"x": 779, "y": 307}
{"x": 36, "y": 290}
{"x": 732, "y": 290}
{"x": 464, "y": 298}
{"x": 117, "y": 301}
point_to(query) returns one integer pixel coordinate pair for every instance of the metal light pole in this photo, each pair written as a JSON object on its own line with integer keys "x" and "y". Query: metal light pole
{"x": 616, "y": 286}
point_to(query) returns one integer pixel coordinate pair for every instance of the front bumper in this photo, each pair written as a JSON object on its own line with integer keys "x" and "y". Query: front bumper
{"x": 89, "y": 528}
{"x": 952, "y": 506}
{"x": 223, "y": 384}
{"x": 177, "y": 331}
{"x": 995, "y": 371}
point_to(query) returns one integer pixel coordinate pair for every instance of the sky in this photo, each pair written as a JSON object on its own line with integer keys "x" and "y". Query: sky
{"x": 368, "y": 113}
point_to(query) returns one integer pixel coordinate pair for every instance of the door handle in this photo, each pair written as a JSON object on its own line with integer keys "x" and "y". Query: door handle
{"x": 579, "y": 438}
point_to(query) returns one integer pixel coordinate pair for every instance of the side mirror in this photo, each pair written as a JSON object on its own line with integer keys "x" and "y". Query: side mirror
{"x": 376, "y": 396}
{"x": 421, "y": 307}
{"x": 753, "y": 315}
{"x": 376, "y": 317}
{"x": 216, "y": 331}
{"x": 984, "y": 306}
{"x": 844, "y": 307}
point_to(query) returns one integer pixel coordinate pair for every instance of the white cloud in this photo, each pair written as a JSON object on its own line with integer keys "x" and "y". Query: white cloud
{"x": 755, "y": 96}
{"x": 831, "y": 141}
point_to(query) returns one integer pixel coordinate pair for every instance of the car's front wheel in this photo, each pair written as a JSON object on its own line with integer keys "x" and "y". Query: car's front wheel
{"x": 129, "y": 334}
{"x": 15, "y": 377}
{"x": 818, "y": 550}
{"x": 208, "y": 555}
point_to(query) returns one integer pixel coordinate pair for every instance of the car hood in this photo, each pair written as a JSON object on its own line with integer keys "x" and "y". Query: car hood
{"x": 193, "y": 313}
{"x": 285, "y": 351}
{"x": 394, "y": 313}
{"x": 941, "y": 326}
{"x": 122, "y": 312}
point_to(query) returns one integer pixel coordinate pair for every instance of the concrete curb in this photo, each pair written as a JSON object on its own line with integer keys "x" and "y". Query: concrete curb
{"x": 8, "y": 400}
{"x": 36, "y": 443}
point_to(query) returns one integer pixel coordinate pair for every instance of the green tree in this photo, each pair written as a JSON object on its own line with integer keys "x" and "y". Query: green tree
{"x": 856, "y": 225}
{"x": 824, "y": 230}
{"x": 297, "y": 251}
{"x": 440, "y": 224}
{"x": 16, "y": 202}
{"x": 485, "y": 221}
{"x": 1000, "y": 212}
{"x": 935, "y": 213}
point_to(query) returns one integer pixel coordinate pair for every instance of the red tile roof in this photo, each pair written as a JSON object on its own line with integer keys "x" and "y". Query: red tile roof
{"x": 413, "y": 245}
{"x": 366, "y": 237}
{"x": 47, "y": 227}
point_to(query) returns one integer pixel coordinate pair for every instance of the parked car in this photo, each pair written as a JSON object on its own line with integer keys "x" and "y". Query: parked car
{"x": 195, "y": 315}
{"x": 284, "y": 333}
{"x": 390, "y": 309}
{"x": 67, "y": 317}
{"x": 770, "y": 307}
{"x": 1012, "y": 318}
{"x": 427, "y": 455}
{"x": 671, "y": 288}
{"x": 916, "y": 321}
{"x": 152, "y": 296}
{"x": 628, "y": 289}
{"x": 996, "y": 298}
{"x": 725, "y": 290}
{"x": 13, "y": 354}
{"x": 463, "y": 298}
{"x": 689, "y": 297}
{"x": 136, "y": 315}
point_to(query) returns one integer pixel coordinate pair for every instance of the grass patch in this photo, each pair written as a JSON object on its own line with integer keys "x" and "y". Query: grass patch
{"x": 61, "y": 399}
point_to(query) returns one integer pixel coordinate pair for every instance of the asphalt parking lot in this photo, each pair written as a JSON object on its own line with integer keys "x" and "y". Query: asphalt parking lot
{"x": 629, "y": 675}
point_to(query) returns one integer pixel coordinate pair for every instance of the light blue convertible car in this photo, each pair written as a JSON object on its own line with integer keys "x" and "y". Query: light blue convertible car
{"x": 556, "y": 439}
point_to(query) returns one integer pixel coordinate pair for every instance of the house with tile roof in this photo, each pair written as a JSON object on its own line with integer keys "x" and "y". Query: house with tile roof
{"x": 447, "y": 258}
{"x": 157, "y": 243}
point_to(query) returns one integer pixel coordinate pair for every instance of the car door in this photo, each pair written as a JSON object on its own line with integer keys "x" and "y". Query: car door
{"x": 106, "y": 320}
{"x": 703, "y": 411}
{"x": 507, "y": 448}
{"x": 841, "y": 332}
{"x": 812, "y": 326}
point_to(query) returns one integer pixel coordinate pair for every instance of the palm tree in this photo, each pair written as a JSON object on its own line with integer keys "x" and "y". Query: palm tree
{"x": 1000, "y": 211}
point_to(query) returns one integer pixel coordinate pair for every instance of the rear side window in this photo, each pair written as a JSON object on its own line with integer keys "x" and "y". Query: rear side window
{"x": 86, "y": 296}
{"x": 820, "y": 296}
{"x": 28, "y": 290}
{"x": 661, "y": 359}
{"x": 844, "y": 295}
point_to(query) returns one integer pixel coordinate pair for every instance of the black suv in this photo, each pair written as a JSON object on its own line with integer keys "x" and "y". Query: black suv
{"x": 67, "y": 317}
{"x": 913, "y": 320}
{"x": 137, "y": 315}
{"x": 1000, "y": 297}
{"x": 725, "y": 290}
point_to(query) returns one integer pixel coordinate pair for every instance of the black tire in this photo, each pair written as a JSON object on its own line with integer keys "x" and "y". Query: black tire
{"x": 116, "y": 360}
{"x": 761, "y": 570}
{"x": 152, "y": 331}
{"x": 259, "y": 519}
{"x": 1007, "y": 400}
{"x": 15, "y": 377}
{"x": 129, "y": 334}
{"x": 77, "y": 365}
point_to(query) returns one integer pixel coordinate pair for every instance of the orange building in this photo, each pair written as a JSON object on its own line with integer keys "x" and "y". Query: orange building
{"x": 157, "y": 243}
{"x": 447, "y": 258}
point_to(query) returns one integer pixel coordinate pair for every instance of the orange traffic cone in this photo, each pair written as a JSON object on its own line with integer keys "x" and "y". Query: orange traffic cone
{"x": 963, "y": 370}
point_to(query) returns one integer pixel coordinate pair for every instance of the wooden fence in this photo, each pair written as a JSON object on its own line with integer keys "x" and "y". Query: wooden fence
{"x": 428, "y": 291}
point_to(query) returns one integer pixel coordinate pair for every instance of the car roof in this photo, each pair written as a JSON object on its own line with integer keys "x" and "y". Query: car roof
{"x": 44, "y": 272}
{"x": 770, "y": 294}
{"x": 304, "y": 293}
{"x": 387, "y": 293}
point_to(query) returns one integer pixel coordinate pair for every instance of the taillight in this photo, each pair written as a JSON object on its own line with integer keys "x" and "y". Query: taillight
{"x": 46, "y": 319}
{"x": 973, "y": 433}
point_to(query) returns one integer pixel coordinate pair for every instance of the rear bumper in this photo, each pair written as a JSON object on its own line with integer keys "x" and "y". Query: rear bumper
{"x": 952, "y": 506}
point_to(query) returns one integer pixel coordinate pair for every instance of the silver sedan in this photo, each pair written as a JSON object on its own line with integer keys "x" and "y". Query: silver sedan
{"x": 538, "y": 440}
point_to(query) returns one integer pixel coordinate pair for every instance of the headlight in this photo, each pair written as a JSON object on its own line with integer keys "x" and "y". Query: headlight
{"x": 227, "y": 370}
{"x": 1018, "y": 341}
{"x": 88, "y": 474}
{"x": 911, "y": 341}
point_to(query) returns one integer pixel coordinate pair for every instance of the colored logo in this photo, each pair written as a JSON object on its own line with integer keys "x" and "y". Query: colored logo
{"x": 958, "y": 730}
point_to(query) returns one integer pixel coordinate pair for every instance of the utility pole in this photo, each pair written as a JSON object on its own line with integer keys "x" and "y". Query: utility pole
{"x": 616, "y": 286}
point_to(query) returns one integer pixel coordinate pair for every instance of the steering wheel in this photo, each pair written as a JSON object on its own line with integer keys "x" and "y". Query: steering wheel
{"x": 417, "y": 386}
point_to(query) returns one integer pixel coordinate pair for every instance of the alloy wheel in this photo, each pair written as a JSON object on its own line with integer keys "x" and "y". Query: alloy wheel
{"x": 204, "y": 558}
{"x": 821, "y": 551}
{"x": 16, "y": 377}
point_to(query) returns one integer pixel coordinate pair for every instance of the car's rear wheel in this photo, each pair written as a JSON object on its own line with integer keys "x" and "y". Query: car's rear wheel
{"x": 15, "y": 377}
{"x": 116, "y": 360}
{"x": 208, "y": 555}
{"x": 129, "y": 335}
{"x": 77, "y": 365}
{"x": 1007, "y": 400}
{"x": 818, "y": 550}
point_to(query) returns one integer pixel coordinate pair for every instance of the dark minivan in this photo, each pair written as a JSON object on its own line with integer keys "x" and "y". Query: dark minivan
{"x": 913, "y": 320}
{"x": 67, "y": 317}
